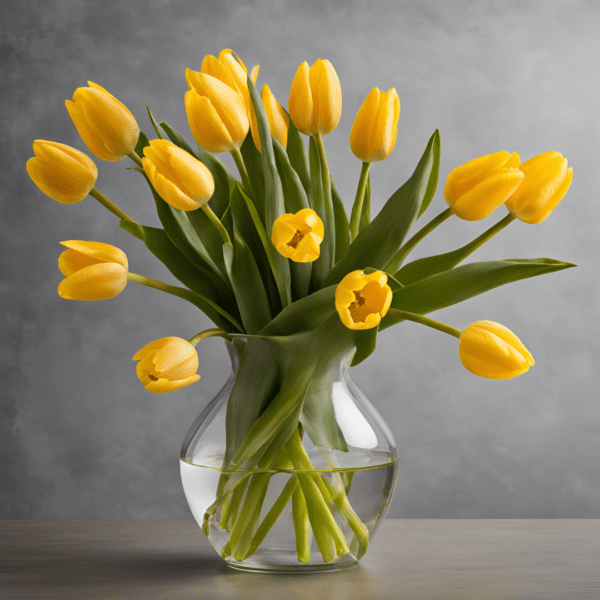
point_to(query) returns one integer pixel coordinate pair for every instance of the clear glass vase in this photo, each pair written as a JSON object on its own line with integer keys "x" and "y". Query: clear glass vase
{"x": 319, "y": 514}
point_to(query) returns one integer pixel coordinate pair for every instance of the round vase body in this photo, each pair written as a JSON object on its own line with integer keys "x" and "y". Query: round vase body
{"x": 363, "y": 473}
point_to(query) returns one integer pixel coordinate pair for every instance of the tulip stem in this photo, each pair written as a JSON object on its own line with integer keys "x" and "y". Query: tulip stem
{"x": 329, "y": 220}
{"x": 406, "y": 249}
{"x": 136, "y": 159}
{"x": 491, "y": 232}
{"x": 185, "y": 294}
{"x": 208, "y": 211}
{"x": 239, "y": 162}
{"x": 94, "y": 193}
{"x": 206, "y": 334}
{"x": 408, "y": 316}
{"x": 358, "y": 201}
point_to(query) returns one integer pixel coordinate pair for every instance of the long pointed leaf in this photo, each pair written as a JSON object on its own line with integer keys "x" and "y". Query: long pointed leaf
{"x": 297, "y": 154}
{"x": 380, "y": 240}
{"x": 459, "y": 284}
{"x": 342, "y": 225}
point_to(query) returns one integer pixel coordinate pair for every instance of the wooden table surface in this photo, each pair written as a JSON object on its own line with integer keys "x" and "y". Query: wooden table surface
{"x": 408, "y": 559}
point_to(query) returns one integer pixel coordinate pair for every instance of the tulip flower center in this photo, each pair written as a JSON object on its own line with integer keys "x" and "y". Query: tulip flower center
{"x": 296, "y": 239}
{"x": 152, "y": 377}
{"x": 370, "y": 300}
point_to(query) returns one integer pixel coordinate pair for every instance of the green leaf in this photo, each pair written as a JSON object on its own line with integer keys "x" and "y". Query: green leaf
{"x": 297, "y": 154}
{"x": 254, "y": 166}
{"x": 247, "y": 284}
{"x": 218, "y": 304}
{"x": 141, "y": 144}
{"x": 221, "y": 175}
{"x": 430, "y": 265}
{"x": 196, "y": 236}
{"x": 252, "y": 230}
{"x": 342, "y": 226}
{"x": 295, "y": 200}
{"x": 380, "y": 240}
{"x": 155, "y": 124}
{"x": 435, "y": 173}
{"x": 275, "y": 205}
{"x": 459, "y": 284}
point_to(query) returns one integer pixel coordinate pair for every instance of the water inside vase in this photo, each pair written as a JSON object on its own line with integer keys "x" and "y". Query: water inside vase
{"x": 369, "y": 477}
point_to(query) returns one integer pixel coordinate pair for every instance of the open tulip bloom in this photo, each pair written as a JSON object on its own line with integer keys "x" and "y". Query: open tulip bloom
{"x": 275, "y": 263}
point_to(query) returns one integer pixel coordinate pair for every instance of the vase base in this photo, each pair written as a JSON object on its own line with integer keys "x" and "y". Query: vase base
{"x": 293, "y": 566}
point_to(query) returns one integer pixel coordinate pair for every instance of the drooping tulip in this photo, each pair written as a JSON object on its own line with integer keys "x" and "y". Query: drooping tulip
{"x": 61, "y": 172}
{"x": 93, "y": 271}
{"x": 106, "y": 125}
{"x": 477, "y": 188}
{"x": 167, "y": 364}
{"x": 493, "y": 351}
{"x": 547, "y": 180}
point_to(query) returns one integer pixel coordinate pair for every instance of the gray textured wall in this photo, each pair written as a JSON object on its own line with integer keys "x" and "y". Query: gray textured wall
{"x": 80, "y": 437}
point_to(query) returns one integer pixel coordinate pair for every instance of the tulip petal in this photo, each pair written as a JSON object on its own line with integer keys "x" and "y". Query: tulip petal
{"x": 327, "y": 97}
{"x": 151, "y": 347}
{"x": 71, "y": 261}
{"x": 167, "y": 189}
{"x": 207, "y": 128}
{"x": 172, "y": 354}
{"x": 383, "y": 133}
{"x": 485, "y": 197}
{"x": 542, "y": 214}
{"x": 463, "y": 178}
{"x": 58, "y": 185}
{"x": 183, "y": 370}
{"x": 164, "y": 385}
{"x": 91, "y": 140}
{"x": 197, "y": 180}
{"x": 362, "y": 128}
{"x": 300, "y": 104}
{"x": 96, "y": 282}
{"x": 99, "y": 251}
{"x": 278, "y": 120}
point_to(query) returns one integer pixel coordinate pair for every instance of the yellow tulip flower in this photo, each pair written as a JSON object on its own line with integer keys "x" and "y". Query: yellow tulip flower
{"x": 363, "y": 300}
{"x": 93, "y": 271}
{"x": 106, "y": 125}
{"x": 373, "y": 133}
{"x": 315, "y": 103}
{"x": 491, "y": 350}
{"x": 217, "y": 114}
{"x": 477, "y": 188}
{"x": 167, "y": 364}
{"x": 278, "y": 120}
{"x": 547, "y": 180}
{"x": 298, "y": 236}
{"x": 61, "y": 172}
{"x": 180, "y": 179}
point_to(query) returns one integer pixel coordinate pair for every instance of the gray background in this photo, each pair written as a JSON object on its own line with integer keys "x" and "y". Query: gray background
{"x": 81, "y": 438}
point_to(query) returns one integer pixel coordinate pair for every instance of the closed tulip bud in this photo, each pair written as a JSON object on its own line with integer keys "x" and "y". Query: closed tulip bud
{"x": 167, "y": 364}
{"x": 106, "y": 125}
{"x": 298, "y": 236}
{"x": 547, "y": 180}
{"x": 93, "y": 271}
{"x": 180, "y": 179}
{"x": 315, "y": 104}
{"x": 278, "y": 120}
{"x": 373, "y": 133}
{"x": 61, "y": 172}
{"x": 217, "y": 114}
{"x": 477, "y": 188}
{"x": 491, "y": 350}
{"x": 363, "y": 300}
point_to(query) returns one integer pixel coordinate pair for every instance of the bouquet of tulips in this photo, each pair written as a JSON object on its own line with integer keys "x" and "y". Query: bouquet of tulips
{"x": 285, "y": 275}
